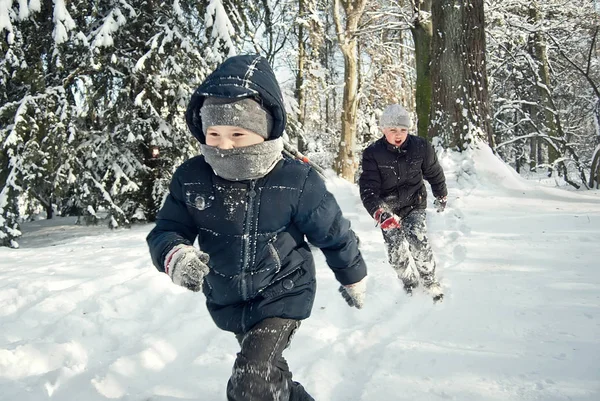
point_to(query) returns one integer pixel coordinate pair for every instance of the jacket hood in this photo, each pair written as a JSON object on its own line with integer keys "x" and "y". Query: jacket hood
{"x": 240, "y": 77}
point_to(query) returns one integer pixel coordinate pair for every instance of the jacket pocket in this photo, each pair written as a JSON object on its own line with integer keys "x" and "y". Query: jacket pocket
{"x": 283, "y": 284}
{"x": 197, "y": 197}
{"x": 275, "y": 256}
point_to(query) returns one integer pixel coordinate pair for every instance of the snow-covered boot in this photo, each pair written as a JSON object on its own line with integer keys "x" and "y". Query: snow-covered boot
{"x": 436, "y": 291}
{"x": 409, "y": 286}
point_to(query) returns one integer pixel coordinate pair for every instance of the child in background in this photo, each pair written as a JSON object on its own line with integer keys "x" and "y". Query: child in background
{"x": 393, "y": 192}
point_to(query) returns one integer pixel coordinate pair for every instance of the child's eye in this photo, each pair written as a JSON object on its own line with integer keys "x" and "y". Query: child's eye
{"x": 213, "y": 134}
{"x": 238, "y": 134}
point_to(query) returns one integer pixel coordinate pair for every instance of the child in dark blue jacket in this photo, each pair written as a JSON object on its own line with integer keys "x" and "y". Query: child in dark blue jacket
{"x": 252, "y": 212}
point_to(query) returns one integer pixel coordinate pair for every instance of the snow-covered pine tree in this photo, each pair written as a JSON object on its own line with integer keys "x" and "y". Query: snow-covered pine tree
{"x": 90, "y": 95}
{"x": 148, "y": 57}
{"x": 11, "y": 47}
{"x": 36, "y": 113}
{"x": 122, "y": 110}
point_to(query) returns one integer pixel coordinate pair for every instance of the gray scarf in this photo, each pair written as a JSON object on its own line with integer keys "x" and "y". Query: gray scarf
{"x": 247, "y": 163}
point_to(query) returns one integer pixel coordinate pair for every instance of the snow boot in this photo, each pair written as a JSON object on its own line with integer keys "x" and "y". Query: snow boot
{"x": 409, "y": 287}
{"x": 436, "y": 292}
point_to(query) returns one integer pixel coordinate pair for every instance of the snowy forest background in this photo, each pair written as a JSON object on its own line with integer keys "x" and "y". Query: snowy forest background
{"x": 93, "y": 92}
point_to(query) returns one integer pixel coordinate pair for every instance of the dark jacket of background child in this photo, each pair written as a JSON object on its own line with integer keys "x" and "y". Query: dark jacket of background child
{"x": 393, "y": 177}
{"x": 254, "y": 231}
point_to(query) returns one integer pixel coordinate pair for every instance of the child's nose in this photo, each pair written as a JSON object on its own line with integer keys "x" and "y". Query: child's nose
{"x": 225, "y": 143}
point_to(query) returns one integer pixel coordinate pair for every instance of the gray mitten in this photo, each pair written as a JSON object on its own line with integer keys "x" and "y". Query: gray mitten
{"x": 187, "y": 266}
{"x": 354, "y": 294}
{"x": 440, "y": 203}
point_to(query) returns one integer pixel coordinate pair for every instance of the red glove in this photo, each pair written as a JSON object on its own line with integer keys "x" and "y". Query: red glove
{"x": 386, "y": 220}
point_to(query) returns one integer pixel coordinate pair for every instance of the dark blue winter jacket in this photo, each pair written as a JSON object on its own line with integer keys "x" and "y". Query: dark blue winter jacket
{"x": 393, "y": 177}
{"x": 255, "y": 231}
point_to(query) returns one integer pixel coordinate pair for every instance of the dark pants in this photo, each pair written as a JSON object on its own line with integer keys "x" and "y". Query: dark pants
{"x": 411, "y": 240}
{"x": 260, "y": 373}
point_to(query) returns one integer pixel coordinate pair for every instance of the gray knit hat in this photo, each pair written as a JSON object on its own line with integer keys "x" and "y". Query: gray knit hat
{"x": 245, "y": 113}
{"x": 395, "y": 116}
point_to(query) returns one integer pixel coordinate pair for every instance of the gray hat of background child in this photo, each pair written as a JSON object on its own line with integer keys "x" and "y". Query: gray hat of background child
{"x": 245, "y": 113}
{"x": 395, "y": 116}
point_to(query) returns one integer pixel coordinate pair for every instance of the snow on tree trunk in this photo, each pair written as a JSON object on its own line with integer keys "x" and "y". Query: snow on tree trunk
{"x": 595, "y": 170}
{"x": 9, "y": 191}
{"x": 460, "y": 107}
{"x": 346, "y": 161}
{"x": 545, "y": 115}
{"x": 300, "y": 89}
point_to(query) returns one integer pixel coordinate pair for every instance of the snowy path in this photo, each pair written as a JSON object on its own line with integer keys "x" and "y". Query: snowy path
{"x": 85, "y": 317}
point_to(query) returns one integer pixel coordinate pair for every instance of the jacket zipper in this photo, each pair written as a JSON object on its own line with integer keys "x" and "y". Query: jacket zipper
{"x": 398, "y": 176}
{"x": 246, "y": 253}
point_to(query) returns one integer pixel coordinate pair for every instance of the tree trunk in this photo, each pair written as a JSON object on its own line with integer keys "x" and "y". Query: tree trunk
{"x": 533, "y": 153}
{"x": 595, "y": 171}
{"x": 9, "y": 225}
{"x": 49, "y": 211}
{"x": 460, "y": 107}
{"x": 545, "y": 116}
{"x": 300, "y": 90}
{"x": 346, "y": 163}
{"x": 422, "y": 32}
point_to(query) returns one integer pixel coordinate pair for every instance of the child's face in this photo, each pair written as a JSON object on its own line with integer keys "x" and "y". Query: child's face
{"x": 229, "y": 137}
{"x": 395, "y": 135}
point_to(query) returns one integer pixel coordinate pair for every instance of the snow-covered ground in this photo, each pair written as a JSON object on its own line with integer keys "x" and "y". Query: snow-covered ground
{"x": 85, "y": 316}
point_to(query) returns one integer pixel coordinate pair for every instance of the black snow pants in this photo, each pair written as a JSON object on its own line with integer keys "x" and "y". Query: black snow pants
{"x": 414, "y": 230}
{"x": 260, "y": 373}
